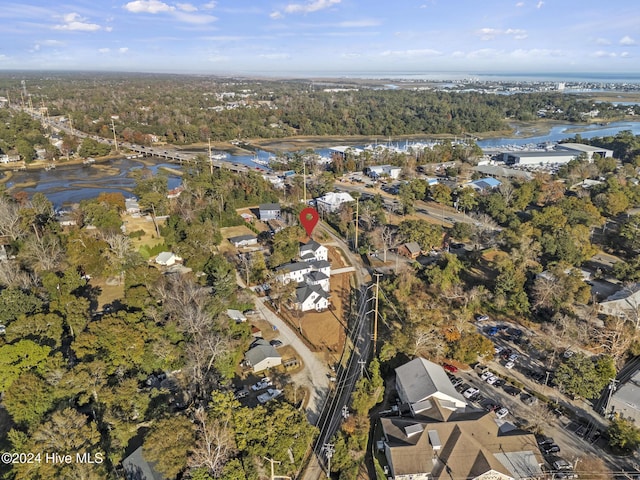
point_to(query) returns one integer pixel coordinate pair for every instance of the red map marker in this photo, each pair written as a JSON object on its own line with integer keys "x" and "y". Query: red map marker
{"x": 309, "y": 219}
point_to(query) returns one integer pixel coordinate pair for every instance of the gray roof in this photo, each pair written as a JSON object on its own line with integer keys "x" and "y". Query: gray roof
{"x": 269, "y": 206}
{"x": 526, "y": 154}
{"x": 412, "y": 247}
{"x": 261, "y": 351}
{"x": 316, "y": 276}
{"x": 293, "y": 267}
{"x": 629, "y": 393}
{"x": 137, "y": 468}
{"x": 421, "y": 379}
{"x": 310, "y": 246}
{"x": 321, "y": 264}
{"x": 242, "y": 238}
{"x": 503, "y": 171}
{"x": 303, "y": 292}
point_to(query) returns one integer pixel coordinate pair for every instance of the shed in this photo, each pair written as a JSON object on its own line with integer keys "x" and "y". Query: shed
{"x": 166, "y": 259}
{"x": 236, "y": 315}
{"x": 410, "y": 250}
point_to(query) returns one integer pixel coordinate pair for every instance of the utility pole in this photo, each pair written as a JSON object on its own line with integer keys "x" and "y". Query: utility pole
{"x": 211, "y": 163}
{"x": 612, "y": 387}
{"x": 115, "y": 139}
{"x": 362, "y": 363}
{"x": 328, "y": 451}
{"x": 356, "y": 240}
{"x": 304, "y": 181}
{"x": 375, "y": 313}
{"x": 272, "y": 461}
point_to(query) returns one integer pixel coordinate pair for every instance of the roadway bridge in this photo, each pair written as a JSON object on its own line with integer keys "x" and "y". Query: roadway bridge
{"x": 175, "y": 156}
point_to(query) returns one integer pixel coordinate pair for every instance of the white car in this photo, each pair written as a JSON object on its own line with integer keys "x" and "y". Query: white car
{"x": 503, "y": 412}
{"x": 269, "y": 395}
{"x": 262, "y": 384}
{"x": 492, "y": 379}
{"x": 486, "y": 375}
{"x": 470, "y": 392}
{"x": 510, "y": 365}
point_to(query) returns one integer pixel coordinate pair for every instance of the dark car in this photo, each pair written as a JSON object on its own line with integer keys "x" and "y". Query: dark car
{"x": 275, "y": 343}
{"x": 511, "y": 390}
{"x": 545, "y": 441}
{"x": 492, "y": 331}
{"x": 547, "y": 449}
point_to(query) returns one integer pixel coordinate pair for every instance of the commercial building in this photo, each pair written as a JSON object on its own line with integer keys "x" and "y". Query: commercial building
{"x": 589, "y": 150}
{"x": 524, "y": 158}
{"x": 378, "y": 171}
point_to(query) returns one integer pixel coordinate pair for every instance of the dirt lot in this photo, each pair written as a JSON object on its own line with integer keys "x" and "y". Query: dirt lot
{"x": 134, "y": 224}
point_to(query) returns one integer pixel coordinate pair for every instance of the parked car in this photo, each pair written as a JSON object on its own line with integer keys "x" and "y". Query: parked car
{"x": 529, "y": 400}
{"x": 481, "y": 317}
{"x": 511, "y": 390}
{"x": 568, "y": 353}
{"x": 493, "y": 331}
{"x": 456, "y": 382}
{"x": 547, "y": 449}
{"x": 562, "y": 464}
{"x": 275, "y": 343}
{"x": 513, "y": 357}
{"x": 241, "y": 394}
{"x": 486, "y": 375}
{"x": 262, "y": 384}
{"x": 492, "y": 380}
{"x": 470, "y": 392}
{"x": 510, "y": 365}
{"x": 450, "y": 368}
{"x": 545, "y": 441}
{"x": 492, "y": 407}
{"x": 250, "y": 312}
{"x": 270, "y": 394}
{"x": 503, "y": 412}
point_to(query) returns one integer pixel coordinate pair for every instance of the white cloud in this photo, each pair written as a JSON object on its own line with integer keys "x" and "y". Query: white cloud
{"x": 426, "y": 52}
{"x": 194, "y": 18}
{"x": 187, "y": 7}
{"x": 309, "y": 7}
{"x": 625, "y": 55}
{"x": 104, "y": 50}
{"x": 603, "y": 41}
{"x": 209, "y": 5}
{"x": 490, "y": 33}
{"x": 74, "y": 22}
{"x": 276, "y": 15}
{"x": 627, "y": 40}
{"x": 275, "y": 56}
{"x": 123, "y": 49}
{"x": 539, "y": 4}
{"x": 148, "y": 6}
{"x": 359, "y": 23}
{"x": 604, "y": 54}
{"x": 520, "y": 4}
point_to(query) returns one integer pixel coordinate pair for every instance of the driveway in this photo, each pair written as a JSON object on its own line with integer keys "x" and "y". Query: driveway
{"x": 314, "y": 374}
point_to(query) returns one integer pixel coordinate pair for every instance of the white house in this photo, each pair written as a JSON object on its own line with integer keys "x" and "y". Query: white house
{"x": 166, "y": 259}
{"x": 244, "y": 240}
{"x": 624, "y": 303}
{"x": 332, "y": 201}
{"x": 269, "y": 211}
{"x": 421, "y": 380}
{"x": 236, "y": 315}
{"x": 312, "y": 251}
{"x": 311, "y": 297}
{"x": 381, "y": 170}
{"x": 131, "y": 206}
{"x": 293, "y": 272}
{"x": 262, "y": 356}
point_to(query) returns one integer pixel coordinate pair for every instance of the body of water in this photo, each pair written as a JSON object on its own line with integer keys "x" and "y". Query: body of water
{"x": 71, "y": 184}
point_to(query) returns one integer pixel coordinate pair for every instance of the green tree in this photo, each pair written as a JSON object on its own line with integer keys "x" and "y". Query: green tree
{"x": 28, "y": 399}
{"x": 20, "y": 357}
{"x": 427, "y": 235}
{"x": 585, "y": 377}
{"x": 630, "y": 231}
{"x": 441, "y": 194}
{"x": 168, "y": 445}
{"x": 623, "y": 434}
{"x": 15, "y": 302}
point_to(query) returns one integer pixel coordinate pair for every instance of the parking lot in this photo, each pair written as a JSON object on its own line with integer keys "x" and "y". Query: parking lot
{"x": 513, "y": 388}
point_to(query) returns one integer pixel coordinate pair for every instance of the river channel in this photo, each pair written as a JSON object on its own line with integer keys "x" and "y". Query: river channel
{"x": 70, "y": 184}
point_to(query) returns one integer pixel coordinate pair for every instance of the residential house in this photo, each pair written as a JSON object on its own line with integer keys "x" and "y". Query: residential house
{"x": 132, "y": 206}
{"x": 624, "y": 303}
{"x": 318, "y": 278}
{"x": 269, "y": 211}
{"x": 244, "y": 241}
{"x": 311, "y": 297}
{"x": 236, "y": 315}
{"x": 312, "y": 251}
{"x": 293, "y": 272}
{"x": 458, "y": 444}
{"x": 166, "y": 259}
{"x": 420, "y": 380}
{"x": 137, "y": 468}
{"x": 332, "y": 201}
{"x": 262, "y": 356}
{"x": 410, "y": 250}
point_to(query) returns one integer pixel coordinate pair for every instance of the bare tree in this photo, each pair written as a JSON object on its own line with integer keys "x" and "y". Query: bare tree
{"x": 42, "y": 253}
{"x": 119, "y": 251}
{"x": 12, "y": 275}
{"x": 10, "y": 222}
{"x": 214, "y": 444}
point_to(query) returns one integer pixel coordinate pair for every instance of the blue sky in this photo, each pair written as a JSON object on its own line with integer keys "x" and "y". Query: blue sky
{"x": 313, "y": 36}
